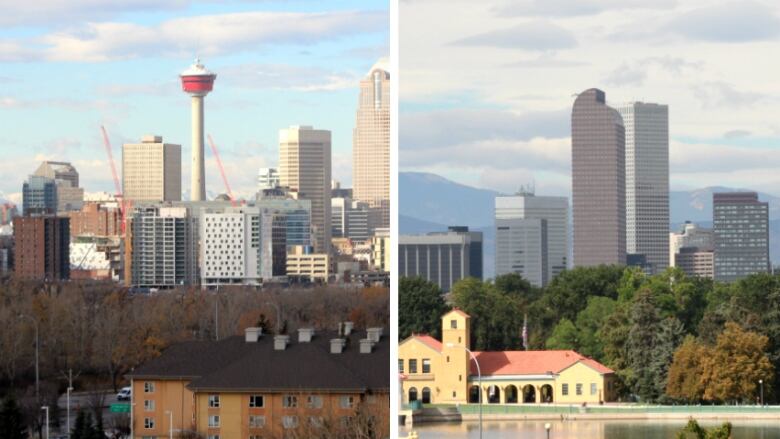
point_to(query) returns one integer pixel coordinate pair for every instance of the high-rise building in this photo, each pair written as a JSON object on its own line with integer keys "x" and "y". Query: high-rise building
{"x": 532, "y": 236}
{"x": 349, "y": 219}
{"x": 691, "y": 236}
{"x": 371, "y": 146}
{"x": 303, "y": 263}
{"x": 381, "y": 250}
{"x": 741, "y": 225}
{"x": 695, "y": 261}
{"x": 241, "y": 245}
{"x": 297, "y": 214}
{"x": 41, "y": 247}
{"x": 69, "y": 195}
{"x": 441, "y": 257}
{"x": 95, "y": 219}
{"x": 647, "y": 181}
{"x": 164, "y": 247}
{"x": 39, "y": 195}
{"x": 151, "y": 170}
{"x": 304, "y": 167}
{"x": 267, "y": 178}
{"x": 598, "y": 181}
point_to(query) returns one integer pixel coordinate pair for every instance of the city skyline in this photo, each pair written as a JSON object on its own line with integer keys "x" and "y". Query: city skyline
{"x": 721, "y": 133}
{"x": 302, "y": 66}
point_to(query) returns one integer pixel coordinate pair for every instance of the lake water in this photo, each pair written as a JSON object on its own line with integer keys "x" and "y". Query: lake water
{"x": 586, "y": 429}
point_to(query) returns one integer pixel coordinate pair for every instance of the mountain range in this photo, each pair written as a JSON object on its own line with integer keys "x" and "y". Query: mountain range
{"x": 429, "y": 202}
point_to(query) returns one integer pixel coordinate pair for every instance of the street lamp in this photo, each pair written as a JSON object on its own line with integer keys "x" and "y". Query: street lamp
{"x": 479, "y": 380}
{"x": 547, "y": 427}
{"x": 761, "y": 383}
{"x": 70, "y": 389}
{"x": 37, "y": 376}
{"x": 170, "y": 423}
{"x": 216, "y": 313}
{"x": 46, "y": 408}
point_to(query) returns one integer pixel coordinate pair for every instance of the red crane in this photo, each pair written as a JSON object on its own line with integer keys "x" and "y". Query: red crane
{"x": 123, "y": 204}
{"x": 222, "y": 171}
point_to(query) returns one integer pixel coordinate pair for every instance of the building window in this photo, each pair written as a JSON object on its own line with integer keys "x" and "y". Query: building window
{"x": 256, "y": 401}
{"x": 149, "y": 423}
{"x": 345, "y": 420}
{"x": 213, "y": 421}
{"x": 453, "y": 324}
{"x": 290, "y": 421}
{"x": 214, "y": 401}
{"x": 593, "y": 388}
{"x": 413, "y": 366}
{"x": 579, "y": 388}
{"x": 460, "y": 378}
{"x": 314, "y": 402}
{"x": 289, "y": 401}
{"x": 148, "y": 387}
{"x": 149, "y": 405}
{"x": 400, "y": 366}
{"x": 213, "y": 436}
{"x": 448, "y": 358}
{"x": 316, "y": 421}
{"x": 564, "y": 389}
{"x": 347, "y": 402}
{"x": 454, "y": 394}
{"x": 426, "y": 365}
{"x": 255, "y": 436}
{"x": 256, "y": 421}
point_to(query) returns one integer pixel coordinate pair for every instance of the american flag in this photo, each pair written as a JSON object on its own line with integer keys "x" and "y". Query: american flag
{"x": 525, "y": 332}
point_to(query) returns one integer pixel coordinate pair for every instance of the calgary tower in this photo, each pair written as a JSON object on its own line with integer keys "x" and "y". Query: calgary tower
{"x": 197, "y": 82}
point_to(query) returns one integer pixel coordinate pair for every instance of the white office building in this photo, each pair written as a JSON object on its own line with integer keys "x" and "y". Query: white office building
{"x": 267, "y": 178}
{"x": 532, "y": 236}
{"x": 647, "y": 181}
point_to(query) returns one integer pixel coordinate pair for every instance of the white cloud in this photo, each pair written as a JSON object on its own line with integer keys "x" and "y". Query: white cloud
{"x": 208, "y": 35}
{"x": 536, "y": 35}
{"x": 566, "y": 8}
{"x": 289, "y": 77}
{"x": 733, "y": 22}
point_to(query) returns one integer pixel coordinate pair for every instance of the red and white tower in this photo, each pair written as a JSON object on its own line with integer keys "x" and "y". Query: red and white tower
{"x": 197, "y": 82}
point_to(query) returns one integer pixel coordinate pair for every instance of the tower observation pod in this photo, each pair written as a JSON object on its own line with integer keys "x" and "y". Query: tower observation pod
{"x": 197, "y": 82}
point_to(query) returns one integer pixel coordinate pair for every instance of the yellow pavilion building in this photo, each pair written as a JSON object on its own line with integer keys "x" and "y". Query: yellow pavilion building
{"x": 443, "y": 372}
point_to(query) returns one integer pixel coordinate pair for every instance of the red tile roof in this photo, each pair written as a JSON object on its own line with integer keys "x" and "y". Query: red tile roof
{"x": 459, "y": 311}
{"x": 531, "y": 362}
{"x": 430, "y": 341}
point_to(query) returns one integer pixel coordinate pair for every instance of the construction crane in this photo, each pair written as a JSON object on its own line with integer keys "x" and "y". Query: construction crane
{"x": 124, "y": 205}
{"x": 222, "y": 171}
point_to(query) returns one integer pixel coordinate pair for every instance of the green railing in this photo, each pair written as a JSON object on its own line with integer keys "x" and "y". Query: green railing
{"x": 469, "y": 409}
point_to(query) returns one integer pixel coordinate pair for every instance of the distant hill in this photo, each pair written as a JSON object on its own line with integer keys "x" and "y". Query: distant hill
{"x": 429, "y": 202}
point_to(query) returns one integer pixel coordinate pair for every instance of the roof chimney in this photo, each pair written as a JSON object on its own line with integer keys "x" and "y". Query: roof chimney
{"x": 305, "y": 335}
{"x": 374, "y": 334}
{"x": 337, "y": 345}
{"x": 366, "y": 346}
{"x": 251, "y": 335}
{"x": 348, "y": 328}
{"x": 280, "y": 342}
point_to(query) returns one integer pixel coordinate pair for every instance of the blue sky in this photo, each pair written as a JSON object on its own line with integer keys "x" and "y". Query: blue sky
{"x": 68, "y": 66}
{"x": 486, "y": 98}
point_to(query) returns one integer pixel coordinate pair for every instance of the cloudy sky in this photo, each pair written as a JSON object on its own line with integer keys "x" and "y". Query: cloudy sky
{"x": 69, "y": 66}
{"x": 486, "y": 87}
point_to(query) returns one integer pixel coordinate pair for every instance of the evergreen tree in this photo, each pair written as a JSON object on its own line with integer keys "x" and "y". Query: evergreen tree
{"x": 12, "y": 424}
{"x": 641, "y": 344}
{"x": 669, "y": 337}
{"x": 420, "y": 307}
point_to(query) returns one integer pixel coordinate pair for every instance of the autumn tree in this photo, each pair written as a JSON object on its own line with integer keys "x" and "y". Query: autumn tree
{"x": 685, "y": 380}
{"x": 736, "y": 364}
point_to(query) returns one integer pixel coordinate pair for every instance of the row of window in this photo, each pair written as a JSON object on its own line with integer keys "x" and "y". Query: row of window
{"x": 288, "y": 401}
{"x": 426, "y": 365}
{"x": 578, "y": 389}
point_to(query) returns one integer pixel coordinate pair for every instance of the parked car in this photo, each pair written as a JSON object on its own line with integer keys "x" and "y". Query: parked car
{"x": 124, "y": 394}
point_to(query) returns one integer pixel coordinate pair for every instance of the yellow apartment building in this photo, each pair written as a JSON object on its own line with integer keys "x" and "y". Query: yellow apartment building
{"x": 444, "y": 372}
{"x": 261, "y": 386}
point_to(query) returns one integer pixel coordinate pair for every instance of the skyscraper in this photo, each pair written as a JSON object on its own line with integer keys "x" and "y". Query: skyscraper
{"x": 371, "y": 146}
{"x": 39, "y": 195}
{"x": 598, "y": 181}
{"x": 304, "y": 166}
{"x": 532, "y": 236}
{"x": 441, "y": 257}
{"x": 69, "y": 195}
{"x": 741, "y": 225}
{"x": 151, "y": 170}
{"x": 42, "y": 247}
{"x": 647, "y": 181}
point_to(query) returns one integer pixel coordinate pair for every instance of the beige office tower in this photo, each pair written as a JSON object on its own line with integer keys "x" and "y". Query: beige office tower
{"x": 151, "y": 170}
{"x": 304, "y": 166}
{"x": 371, "y": 147}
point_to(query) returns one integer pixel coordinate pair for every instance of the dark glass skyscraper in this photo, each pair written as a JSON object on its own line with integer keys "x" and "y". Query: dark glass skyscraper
{"x": 598, "y": 181}
{"x": 741, "y": 226}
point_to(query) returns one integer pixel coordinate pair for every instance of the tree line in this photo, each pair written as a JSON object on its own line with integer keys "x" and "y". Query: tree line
{"x": 669, "y": 337}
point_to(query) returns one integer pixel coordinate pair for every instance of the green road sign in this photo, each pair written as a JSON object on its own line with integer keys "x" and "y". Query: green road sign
{"x": 120, "y": 408}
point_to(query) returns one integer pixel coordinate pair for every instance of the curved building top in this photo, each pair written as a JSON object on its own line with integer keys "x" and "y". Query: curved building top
{"x": 197, "y": 80}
